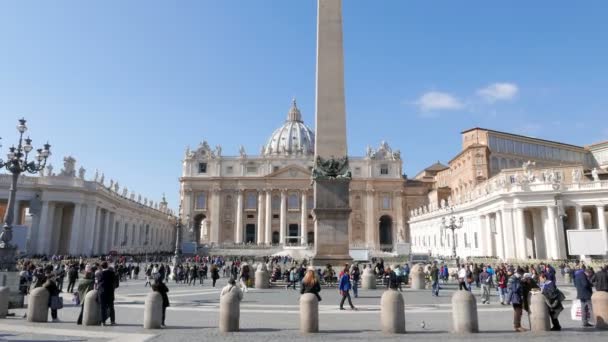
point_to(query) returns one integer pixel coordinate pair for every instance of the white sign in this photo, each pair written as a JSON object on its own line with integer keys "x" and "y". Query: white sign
{"x": 586, "y": 242}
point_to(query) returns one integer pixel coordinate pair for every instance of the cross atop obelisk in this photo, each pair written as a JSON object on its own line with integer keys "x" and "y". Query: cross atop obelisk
{"x": 330, "y": 120}
{"x": 331, "y": 174}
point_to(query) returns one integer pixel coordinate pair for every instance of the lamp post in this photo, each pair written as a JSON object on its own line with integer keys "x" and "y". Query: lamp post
{"x": 18, "y": 162}
{"x": 453, "y": 224}
{"x": 178, "y": 237}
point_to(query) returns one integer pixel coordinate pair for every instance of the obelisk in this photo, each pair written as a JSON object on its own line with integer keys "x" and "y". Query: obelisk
{"x": 331, "y": 173}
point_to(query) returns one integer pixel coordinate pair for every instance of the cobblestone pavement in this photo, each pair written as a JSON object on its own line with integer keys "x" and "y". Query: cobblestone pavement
{"x": 273, "y": 315}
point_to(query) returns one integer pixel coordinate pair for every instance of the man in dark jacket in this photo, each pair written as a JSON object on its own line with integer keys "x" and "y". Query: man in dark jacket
{"x": 600, "y": 280}
{"x": 584, "y": 290}
{"x": 72, "y": 277}
{"x": 435, "y": 279}
{"x": 106, "y": 286}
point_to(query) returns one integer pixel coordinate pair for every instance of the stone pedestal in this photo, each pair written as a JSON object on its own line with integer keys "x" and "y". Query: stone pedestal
{"x": 230, "y": 313}
{"x": 262, "y": 280}
{"x": 153, "y": 311}
{"x": 10, "y": 279}
{"x": 368, "y": 279}
{"x": 332, "y": 213}
{"x": 418, "y": 278}
{"x": 38, "y": 305}
{"x": 309, "y": 314}
{"x": 392, "y": 312}
{"x": 4, "y": 294}
{"x": 464, "y": 313}
{"x": 539, "y": 313}
{"x": 599, "y": 301}
{"x": 91, "y": 314}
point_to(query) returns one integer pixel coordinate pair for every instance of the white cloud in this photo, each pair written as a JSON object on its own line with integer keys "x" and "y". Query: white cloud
{"x": 436, "y": 100}
{"x": 498, "y": 92}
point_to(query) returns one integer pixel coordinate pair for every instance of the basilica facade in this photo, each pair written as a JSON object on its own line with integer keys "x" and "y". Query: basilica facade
{"x": 267, "y": 199}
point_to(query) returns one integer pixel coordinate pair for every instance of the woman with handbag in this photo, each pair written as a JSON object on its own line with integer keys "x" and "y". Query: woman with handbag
{"x": 553, "y": 299}
{"x": 55, "y": 302}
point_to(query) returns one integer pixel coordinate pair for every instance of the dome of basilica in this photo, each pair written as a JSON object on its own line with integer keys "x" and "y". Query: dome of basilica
{"x": 292, "y": 138}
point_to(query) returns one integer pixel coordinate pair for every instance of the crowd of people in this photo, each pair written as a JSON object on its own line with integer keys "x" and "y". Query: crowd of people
{"x": 512, "y": 283}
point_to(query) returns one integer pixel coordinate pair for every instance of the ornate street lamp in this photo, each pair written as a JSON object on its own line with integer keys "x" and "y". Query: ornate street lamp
{"x": 452, "y": 224}
{"x": 18, "y": 161}
{"x": 178, "y": 236}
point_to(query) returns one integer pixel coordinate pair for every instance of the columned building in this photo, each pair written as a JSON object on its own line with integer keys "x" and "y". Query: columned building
{"x": 267, "y": 199}
{"x": 518, "y": 197}
{"x": 66, "y": 214}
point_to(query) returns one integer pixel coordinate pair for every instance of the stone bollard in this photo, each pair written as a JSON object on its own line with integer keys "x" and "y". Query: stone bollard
{"x": 262, "y": 278}
{"x": 38, "y": 305}
{"x": 230, "y": 312}
{"x": 392, "y": 312}
{"x": 599, "y": 301}
{"x": 91, "y": 314}
{"x": 539, "y": 313}
{"x": 4, "y": 296}
{"x": 418, "y": 279}
{"x": 567, "y": 278}
{"x": 153, "y": 311}
{"x": 464, "y": 313}
{"x": 368, "y": 280}
{"x": 309, "y": 314}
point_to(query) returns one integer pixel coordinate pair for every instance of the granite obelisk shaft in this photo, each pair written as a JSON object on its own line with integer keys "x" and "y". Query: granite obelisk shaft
{"x": 331, "y": 175}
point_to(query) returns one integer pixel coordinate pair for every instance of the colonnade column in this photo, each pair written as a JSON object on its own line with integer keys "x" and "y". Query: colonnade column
{"x": 283, "y": 217}
{"x": 372, "y": 224}
{"x": 550, "y": 233}
{"x": 601, "y": 220}
{"x": 76, "y": 230}
{"x": 304, "y": 219}
{"x": 521, "y": 240}
{"x": 238, "y": 230}
{"x": 560, "y": 233}
{"x": 483, "y": 228}
{"x": 260, "y": 227}
{"x": 43, "y": 230}
{"x": 539, "y": 238}
{"x": 509, "y": 234}
{"x": 489, "y": 237}
{"x": 268, "y": 221}
{"x": 500, "y": 236}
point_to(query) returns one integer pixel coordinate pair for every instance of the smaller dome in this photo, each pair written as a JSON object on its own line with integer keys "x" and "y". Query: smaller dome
{"x": 293, "y": 137}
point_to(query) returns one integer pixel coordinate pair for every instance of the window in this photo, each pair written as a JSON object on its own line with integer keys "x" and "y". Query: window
{"x": 357, "y": 171}
{"x": 386, "y": 202}
{"x": 252, "y": 169}
{"x": 276, "y": 202}
{"x": 275, "y": 168}
{"x": 229, "y": 170}
{"x": 202, "y": 167}
{"x": 292, "y": 201}
{"x": 310, "y": 202}
{"x": 384, "y": 169}
{"x": 201, "y": 201}
{"x": 251, "y": 201}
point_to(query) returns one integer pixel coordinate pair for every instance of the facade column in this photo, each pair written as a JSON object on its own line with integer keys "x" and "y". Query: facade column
{"x": 283, "y": 217}
{"x": 260, "y": 227}
{"x": 214, "y": 233}
{"x": 489, "y": 241}
{"x": 238, "y": 233}
{"x": 521, "y": 240}
{"x": 399, "y": 230}
{"x": 371, "y": 225}
{"x": 500, "y": 236}
{"x": 550, "y": 233}
{"x": 601, "y": 220}
{"x": 539, "y": 238}
{"x": 43, "y": 230}
{"x": 304, "y": 219}
{"x": 268, "y": 221}
{"x": 484, "y": 228}
{"x": 75, "y": 238}
{"x": 562, "y": 252}
{"x": 580, "y": 222}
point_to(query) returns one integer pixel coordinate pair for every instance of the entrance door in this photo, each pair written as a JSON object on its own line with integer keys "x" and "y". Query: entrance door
{"x": 293, "y": 233}
{"x": 386, "y": 232}
{"x": 250, "y": 233}
{"x": 311, "y": 238}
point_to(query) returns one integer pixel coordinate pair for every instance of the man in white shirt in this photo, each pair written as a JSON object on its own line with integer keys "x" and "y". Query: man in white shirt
{"x": 462, "y": 274}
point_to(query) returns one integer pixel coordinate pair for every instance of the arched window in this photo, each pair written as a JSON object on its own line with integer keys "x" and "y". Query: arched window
{"x": 293, "y": 201}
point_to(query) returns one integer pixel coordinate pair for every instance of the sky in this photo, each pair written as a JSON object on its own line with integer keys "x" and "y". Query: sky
{"x": 125, "y": 86}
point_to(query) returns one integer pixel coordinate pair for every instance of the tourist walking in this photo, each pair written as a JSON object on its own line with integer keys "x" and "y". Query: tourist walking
{"x": 72, "y": 277}
{"x": 554, "y": 299}
{"x": 355, "y": 275}
{"x": 55, "y": 302}
{"x": 584, "y": 290}
{"x": 600, "y": 279}
{"x": 501, "y": 280}
{"x": 515, "y": 298}
{"x": 161, "y": 288}
{"x": 215, "y": 274}
{"x": 245, "y": 276}
{"x": 435, "y": 280}
{"x": 106, "y": 287}
{"x": 462, "y": 274}
{"x": 485, "y": 279}
{"x": 85, "y": 285}
{"x": 345, "y": 287}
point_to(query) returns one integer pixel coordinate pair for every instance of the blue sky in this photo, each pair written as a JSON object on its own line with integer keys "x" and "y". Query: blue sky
{"x": 125, "y": 86}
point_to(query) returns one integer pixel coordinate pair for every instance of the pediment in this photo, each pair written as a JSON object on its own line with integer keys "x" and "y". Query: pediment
{"x": 291, "y": 172}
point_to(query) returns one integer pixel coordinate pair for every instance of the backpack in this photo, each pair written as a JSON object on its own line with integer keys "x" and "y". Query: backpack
{"x": 516, "y": 291}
